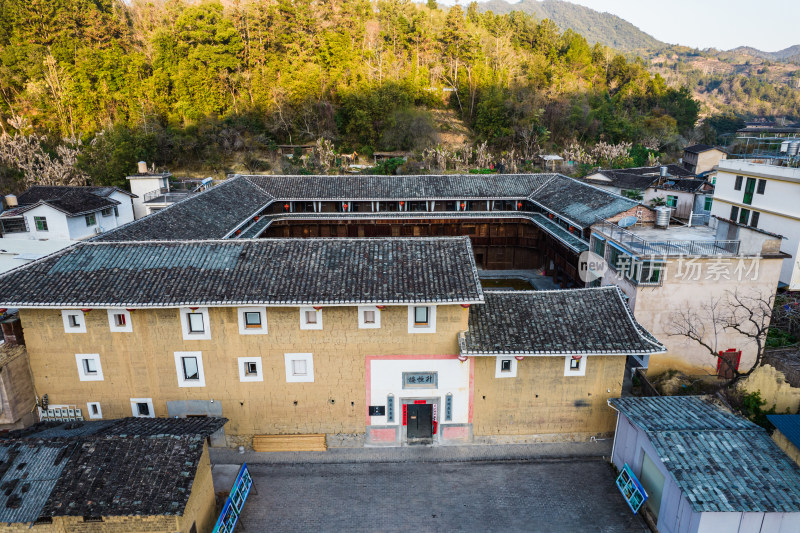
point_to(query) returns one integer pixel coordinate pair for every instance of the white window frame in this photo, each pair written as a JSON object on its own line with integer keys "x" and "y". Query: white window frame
{"x": 112, "y": 322}
{"x": 570, "y": 372}
{"x": 68, "y": 328}
{"x": 135, "y": 410}
{"x": 290, "y": 376}
{"x": 306, "y": 325}
{"x": 243, "y": 329}
{"x": 93, "y": 416}
{"x": 243, "y": 377}
{"x": 187, "y": 334}
{"x": 498, "y": 367}
{"x": 429, "y": 328}
{"x": 361, "y": 322}
{"x": 182, "y": 381}
{"x": 82, "y": 375}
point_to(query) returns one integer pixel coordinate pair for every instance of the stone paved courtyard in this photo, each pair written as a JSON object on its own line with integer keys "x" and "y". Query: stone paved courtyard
{"x": 563, "y": 495}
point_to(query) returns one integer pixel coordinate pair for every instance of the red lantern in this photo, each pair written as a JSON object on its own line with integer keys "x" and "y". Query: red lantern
{"x": 571, "y": 229}
{"x": 194, "y": 308}
{"x": 462, "y": 358}
{"x": 519, "y": 205}
{"x": 465, "y": 306}
{"x": 551, "y": 216}
{"x": 317, "y": 307}
{"x": 345, "y": 207}
{"x": 238, "y": 231}
{"x": 255, "y": 219}
{"x": 286, "y": 207}
{"x": 519, "y": 357}
{"x": 85, "y": 310}
{"x": 402, "y": 204}
{"x": 463, "y": 205}
{"x": 381, "y": 307}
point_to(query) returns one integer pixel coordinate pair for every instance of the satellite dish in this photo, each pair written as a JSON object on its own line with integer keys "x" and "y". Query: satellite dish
{"x": 627, "y": 222}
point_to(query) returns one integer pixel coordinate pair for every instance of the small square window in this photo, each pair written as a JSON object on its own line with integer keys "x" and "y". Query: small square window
{"x": 311, "y": 317}
{"x": 252, "y": 319}
{"x": 41, "y": 223}
{"x": 190, "y": 369}
{"x": 95, "y": 412}
{"x": 107, "y": 212}
{"x": 91, "y": 220}
{"x": 74, "y": 321}
{"x": 251, "y": 368}
{"x": 90, "y": 367}
{"x": 299, "y": 368}
{"x": 369, "y": 317}
{"x": 119, "y": 320}
{"x": 505, "y": 365}
{"x": 196, "y": 322}
{"x": 142, "y": 409}
{"x": 420, "y": 316}
{"x": 421, "y": 319}
{"x": 575, "y": 364}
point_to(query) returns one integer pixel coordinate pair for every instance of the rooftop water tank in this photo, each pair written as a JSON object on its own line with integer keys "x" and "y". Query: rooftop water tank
{"x": 664, "y": 172}
{"x": 11, "y": 201}
{"x": 663, "y": 215}
{"x": 794, "y": 148}
{"x": 785, "y": 147}
{"x": 142, "y": 167}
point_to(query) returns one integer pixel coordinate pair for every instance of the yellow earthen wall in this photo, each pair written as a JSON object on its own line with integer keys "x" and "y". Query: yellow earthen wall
{"x": 784, "y": 444}
{"x": 121, "y": 524}
{"x": 541, "y": 400}
{"x": 201, "y": 507}
{"x": 142, "y": 364}
{"x": 774, "y": 389}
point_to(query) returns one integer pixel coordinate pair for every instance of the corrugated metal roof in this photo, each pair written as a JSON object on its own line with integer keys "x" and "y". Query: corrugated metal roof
{"x": 789, "y": 425}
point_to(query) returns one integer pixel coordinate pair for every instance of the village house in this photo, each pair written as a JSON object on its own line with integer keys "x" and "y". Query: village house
{"x": 65, "y": 213}
{"x": 704, "y": 469}
{"x": 701, "y": 159}
{"x": 126, "y": 475}
{"x": 673, "y": 272}
{"x": 383, "y": 340}
{"x": 758, "y": 194}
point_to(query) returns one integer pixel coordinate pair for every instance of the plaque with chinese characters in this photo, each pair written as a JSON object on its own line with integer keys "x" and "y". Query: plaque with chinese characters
{"x": 420, "y": 380}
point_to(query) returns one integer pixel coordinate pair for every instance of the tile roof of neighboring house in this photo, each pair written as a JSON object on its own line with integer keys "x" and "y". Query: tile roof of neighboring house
{"x": 683, "y": 185}
{"x": 211, "y": 214}
{"x": 722, "y": 463}
{"x": 578, "y": 321}
{"x": 699, "y": 148}
{"x": 101, "y": 190}
{"x": 623, "y": 180}
{"x": 422, "y": 187}
{"x": 255, "y": 271}
{"x": 789, "y": 425}
{"x": 142, "y": 467}
{"x": 787, "y": 360}
{"x": 73, "y": 201}
{"x": 579, "y": 202}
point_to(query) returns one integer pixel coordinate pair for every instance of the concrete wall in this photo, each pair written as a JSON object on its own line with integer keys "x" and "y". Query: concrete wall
{"x": 774, "y": 389}
{"x": 79, "y": 230}
{"x": 655, "y": 307}
{"x": 784, "y": 444}
{"x": 541, "y": 400}
{"x": 141, "y": 364}
{"x": 57, "y": 227}
{"x": 685, "y": 203}
{"x": 125, "y": 208}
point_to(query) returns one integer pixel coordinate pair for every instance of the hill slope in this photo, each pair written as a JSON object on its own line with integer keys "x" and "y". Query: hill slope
{"x": 787, "y": 54}
{"x": 595, "y": 26}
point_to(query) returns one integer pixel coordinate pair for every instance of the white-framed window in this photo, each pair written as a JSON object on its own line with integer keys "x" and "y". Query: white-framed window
{"x": 369, "y": 317}
{"x": 189, "y": 366}
{"x": 119, "y": 320}
{"x": 250, "y": 369}
{"x": 299, "y": 367}
{"x": 421, "y": 319}
{"x": 91, "y": 219}
{"x": 195, "y": 323}
{"x": 142, "y": 408}
{"x": 252, "y": 320}
{"x": 89, "y": 368}
{"x": 74, "y": 321}
{"x": 575, "y": 365}
{"x": 505, "y": 367}
{"x": 310, "y": 318}
{"x": 95, "y": 412}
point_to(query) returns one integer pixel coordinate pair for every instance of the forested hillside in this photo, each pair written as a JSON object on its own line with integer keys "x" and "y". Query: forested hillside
{"x": 199, "y": 84}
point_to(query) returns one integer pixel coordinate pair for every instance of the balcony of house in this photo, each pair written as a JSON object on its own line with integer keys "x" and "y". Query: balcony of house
{"x": 642, "y": 240}
{"x": 175, "y": 191}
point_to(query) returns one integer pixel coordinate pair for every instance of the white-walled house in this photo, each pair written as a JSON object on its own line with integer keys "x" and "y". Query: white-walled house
{"x": 66, "y": 213}
{"x": 765, "y": 196}
{"x": 704, "y": 469}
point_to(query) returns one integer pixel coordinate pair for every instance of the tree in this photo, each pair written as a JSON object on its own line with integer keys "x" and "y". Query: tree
{"x": 432, "y": 4}
{"x": 747, "y": 314}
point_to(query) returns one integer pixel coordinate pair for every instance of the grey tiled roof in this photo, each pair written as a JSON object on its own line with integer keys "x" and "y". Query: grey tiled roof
{"x": 73, "y": 201}
{"x": 131, "y": 466}
{"x": 211, "y": 214}
{"x": 256, "y": 271}
{"x": 698, "y": 148}
{"x": 624, "y": 180}
{"x": 665, "y": 413}
{"x": 721, "y": 462}
{"x": 579, "y": 202}
{"x": 578, "y": 321}
{"x": 421, "y": 187}
{"x": 683, "y": 184}
{"x": 730, "y": 470}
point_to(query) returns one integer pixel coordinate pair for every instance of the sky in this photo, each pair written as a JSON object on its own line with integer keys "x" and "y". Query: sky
{"x": 768, "y": 25}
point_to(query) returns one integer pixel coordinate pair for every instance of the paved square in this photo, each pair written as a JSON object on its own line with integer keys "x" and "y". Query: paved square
{"x": 544, "y": 496}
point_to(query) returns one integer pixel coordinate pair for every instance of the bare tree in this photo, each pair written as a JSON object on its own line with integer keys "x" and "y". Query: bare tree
{"x": 324, "y": 154}
{"x": 749, "y": 315}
